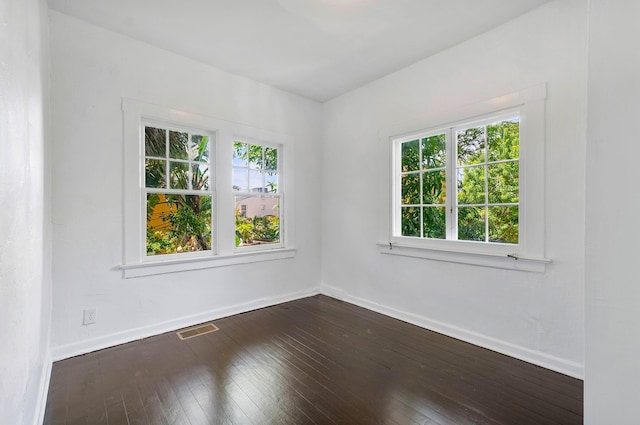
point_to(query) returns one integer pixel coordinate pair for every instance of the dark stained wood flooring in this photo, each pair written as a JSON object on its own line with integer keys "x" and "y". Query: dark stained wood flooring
{"x": 311, "y": 361}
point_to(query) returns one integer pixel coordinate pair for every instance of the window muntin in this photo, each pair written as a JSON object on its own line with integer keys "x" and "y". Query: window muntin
{"x": 177, "y": 191}
{"x": 258, "y": 197}
{"x": 481, "y": 161}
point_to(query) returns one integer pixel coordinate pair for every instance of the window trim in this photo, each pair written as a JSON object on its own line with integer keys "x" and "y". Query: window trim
{"x": 135, "y": 261}
{"x": 528, "y": 254}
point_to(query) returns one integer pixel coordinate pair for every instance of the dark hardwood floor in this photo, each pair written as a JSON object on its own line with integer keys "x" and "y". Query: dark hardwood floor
{"x": 315, "y": 360}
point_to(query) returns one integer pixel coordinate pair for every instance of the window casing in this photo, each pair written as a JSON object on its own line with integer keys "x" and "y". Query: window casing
{"x": 166, "y": 161}
{"x": 523, "y": 247}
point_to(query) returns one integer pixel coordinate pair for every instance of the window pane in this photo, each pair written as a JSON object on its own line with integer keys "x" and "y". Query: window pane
{"x": 435, "y": 222}
{"x": 471, "y": 146}
{"x": 411, "y": 189}
{"x": 503, "y": 182}
{"x": 271, "y": 182}
{"x": 257, "y": 220}
{"x": 271, "y": 159}
{"x": 200, "y": 176}
{"x": 503, "y": 224}
{"x": 410, "y": 156}
{"x": 471, "y": 185}
{"x": 241, "y": 179}
{"x": 256, "y": 181}
{"x": 178, "y": 145}
{"x": 155, "y": 173}
{"x": 503, "y": 140}
{"x": 434, "y": 151}
{"x": 178, "y": 223}
{"x": 410, "y": 221}
{"x": 179, "y": 175}
{"x": 255, "y": 156}
{"x": 434, "y": 188}
{"x": 155, "y": 140}
{"x": 471, "y": 224}
{"x": 199, "y": 148}
{"x": 239, "y": 154}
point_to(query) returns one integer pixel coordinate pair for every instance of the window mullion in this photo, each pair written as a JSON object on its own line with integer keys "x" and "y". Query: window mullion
{"x": 420, "y": 182}
{"x": 452, "y": 183}
{"x": 167, "y": 172}
{"x": 486, "y": 186}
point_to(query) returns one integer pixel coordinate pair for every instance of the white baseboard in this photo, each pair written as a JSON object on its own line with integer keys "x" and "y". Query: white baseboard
{"x": 43, "y": 391}
{"x": 564, "y": 366}
{"x": 86, "y": 346}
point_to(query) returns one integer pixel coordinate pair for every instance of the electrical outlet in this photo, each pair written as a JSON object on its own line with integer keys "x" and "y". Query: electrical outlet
{"x": 89, "y": 316}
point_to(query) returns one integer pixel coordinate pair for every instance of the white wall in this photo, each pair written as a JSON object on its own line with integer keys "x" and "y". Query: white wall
{"x": 539, "y": 316}
{"x": 25, "y": 293}
{"x": 92, "y": 69}
{"x": 613, "y": 203}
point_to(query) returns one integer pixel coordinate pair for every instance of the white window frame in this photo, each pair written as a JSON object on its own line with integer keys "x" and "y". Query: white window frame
{"x": 528, "y": 254}
{"x": 222, "y": 133}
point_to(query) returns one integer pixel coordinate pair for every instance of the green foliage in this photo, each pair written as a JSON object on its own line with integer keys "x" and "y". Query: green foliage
{"x": 254, "y": 230}
{"x": 502, "y": 183}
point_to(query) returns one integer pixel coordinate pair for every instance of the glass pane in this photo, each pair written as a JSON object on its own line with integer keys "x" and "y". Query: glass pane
{"x": 411, "y": 189}
{"x": 434, "y": 222}
{"x": 471, "y": 146}
{"x": 503, "y": 140}
{"x": 199, "y": 148}
{"x": 241, "y": 179}
{"x": 471, "y": 223}
{"x": 434, "y": 152}
{"x": 155, "y": 172}
{"x": 271, "y": 182}
{"x": 271, "y": 159}
{"x": 200, "y": 176}
{"x": 178, "y": 223}
{"x": 410, "y": 221}
{"x": 256, "y": 181}
{"x": 434, "y": 188}
{"x": 471, "y": 185}
{"x": 180, "y": 175}
{"x": 503, "y": 182}
{"x": 503, "y": 224}
{"x": 255, "y": 156}
{"x": 257, "y": 220}
{"x": 239, "y": 154}
{"x": 155, "y": 140}
{"x": 410, "y": 156}
{"x": 178, "y": 145}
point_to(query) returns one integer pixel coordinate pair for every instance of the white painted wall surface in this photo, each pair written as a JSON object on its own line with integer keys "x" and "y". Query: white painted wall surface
{"x": 531, "y": 315}
{"x": 612, "y": 232}
{"x": 25, "y": 296}
{"x": 92, "y": 69}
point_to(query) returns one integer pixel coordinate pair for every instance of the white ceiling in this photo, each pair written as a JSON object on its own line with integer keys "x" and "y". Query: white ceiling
{"x": 315, "y": 48}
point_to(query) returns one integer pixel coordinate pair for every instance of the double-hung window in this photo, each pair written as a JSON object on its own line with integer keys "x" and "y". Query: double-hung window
{"x": 469, "y": 188}
{"x": 257, "y": 197}
{"x": 178, "y": 190}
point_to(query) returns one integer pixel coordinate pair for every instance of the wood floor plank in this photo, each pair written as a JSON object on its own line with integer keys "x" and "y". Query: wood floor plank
{"x": 312, "y": 361}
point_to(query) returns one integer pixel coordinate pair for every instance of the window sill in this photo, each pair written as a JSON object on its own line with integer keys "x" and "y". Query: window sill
{"x": 180, "y": 265}
{"x": 500, "y": 261}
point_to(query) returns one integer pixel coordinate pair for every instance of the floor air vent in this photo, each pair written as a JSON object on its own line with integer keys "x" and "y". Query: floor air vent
{"x": 197, "y": 331}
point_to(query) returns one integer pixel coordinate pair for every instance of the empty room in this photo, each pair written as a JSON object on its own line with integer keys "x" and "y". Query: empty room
{"x": 319, "y": 211}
